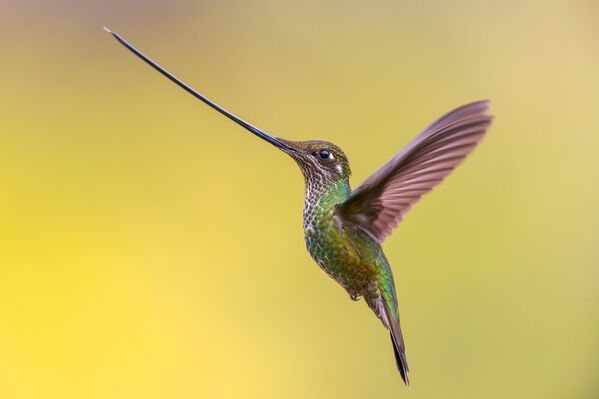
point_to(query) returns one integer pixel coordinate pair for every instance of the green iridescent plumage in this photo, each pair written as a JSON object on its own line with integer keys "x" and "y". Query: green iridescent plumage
{"x": 344, "y": 228}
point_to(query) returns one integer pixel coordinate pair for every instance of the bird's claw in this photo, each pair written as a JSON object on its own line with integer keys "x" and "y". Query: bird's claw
{"x": 354, "y": 296}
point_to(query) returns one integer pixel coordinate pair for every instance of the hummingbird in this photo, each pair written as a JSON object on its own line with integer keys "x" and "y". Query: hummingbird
{"x": 344, "y": 228}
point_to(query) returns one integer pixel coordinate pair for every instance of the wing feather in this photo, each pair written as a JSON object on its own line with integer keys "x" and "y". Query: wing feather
{"x": 380, "y": 203}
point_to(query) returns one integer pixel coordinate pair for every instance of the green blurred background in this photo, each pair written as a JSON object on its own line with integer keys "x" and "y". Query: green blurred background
{"x": 150, "y": 248}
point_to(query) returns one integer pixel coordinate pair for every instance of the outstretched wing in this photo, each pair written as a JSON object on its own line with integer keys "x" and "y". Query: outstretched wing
{"x": 380, "y": 203}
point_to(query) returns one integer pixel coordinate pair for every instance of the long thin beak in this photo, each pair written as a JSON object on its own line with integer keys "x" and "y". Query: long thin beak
{"x": 258, "y": 132}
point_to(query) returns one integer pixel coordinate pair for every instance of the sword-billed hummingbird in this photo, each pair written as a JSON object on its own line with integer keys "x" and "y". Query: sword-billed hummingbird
{"x": 344, "y": 228}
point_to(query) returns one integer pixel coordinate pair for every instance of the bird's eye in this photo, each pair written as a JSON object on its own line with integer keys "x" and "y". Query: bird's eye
{"x": 323, "y": 154}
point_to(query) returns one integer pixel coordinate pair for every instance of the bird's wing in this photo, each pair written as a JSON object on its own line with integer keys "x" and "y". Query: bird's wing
{"x": 380, "y": 203}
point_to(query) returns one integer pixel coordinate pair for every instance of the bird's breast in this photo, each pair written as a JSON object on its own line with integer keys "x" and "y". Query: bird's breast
{"x": 338, "y": 251}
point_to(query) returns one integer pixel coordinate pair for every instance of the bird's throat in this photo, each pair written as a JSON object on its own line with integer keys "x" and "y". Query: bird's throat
{"x": 321, "y": 197}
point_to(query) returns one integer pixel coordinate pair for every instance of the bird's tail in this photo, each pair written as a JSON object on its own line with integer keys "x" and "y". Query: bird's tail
{"x": 397, "y": 340}
{"x": 400, "y": 359}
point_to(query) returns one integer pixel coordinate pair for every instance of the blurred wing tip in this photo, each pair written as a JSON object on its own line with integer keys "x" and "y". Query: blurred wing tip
{"x": 487, "y": 105}
{"x": 481, "y": 106}
{"x": 107, "y": 30}
{"x": 485, "y": 101}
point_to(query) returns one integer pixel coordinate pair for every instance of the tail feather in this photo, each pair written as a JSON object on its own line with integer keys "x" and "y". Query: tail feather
{"x": 402, "y": 362}
{"x": 398, "y": 344}
{"x": 382, "y": 308}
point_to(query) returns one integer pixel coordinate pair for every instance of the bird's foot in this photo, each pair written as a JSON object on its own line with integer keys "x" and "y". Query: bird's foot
{"x": 354, "y": 296}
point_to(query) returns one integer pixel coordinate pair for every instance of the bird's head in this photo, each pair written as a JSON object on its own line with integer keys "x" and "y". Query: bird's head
{"x": 320, "y": 160}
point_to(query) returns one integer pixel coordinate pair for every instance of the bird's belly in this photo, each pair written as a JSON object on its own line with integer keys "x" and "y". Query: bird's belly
{"x": 342, "y": 255}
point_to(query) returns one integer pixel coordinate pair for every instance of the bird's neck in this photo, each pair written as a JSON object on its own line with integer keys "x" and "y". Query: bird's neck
{"x": 321, "y": 196}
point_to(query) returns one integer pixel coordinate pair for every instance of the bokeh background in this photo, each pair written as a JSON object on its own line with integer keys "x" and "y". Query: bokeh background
{"x": 150, "y": 248}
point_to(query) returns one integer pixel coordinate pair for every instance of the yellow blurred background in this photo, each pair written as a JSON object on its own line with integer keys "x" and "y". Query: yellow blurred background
{"x": 150, "y": 248}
